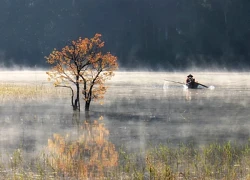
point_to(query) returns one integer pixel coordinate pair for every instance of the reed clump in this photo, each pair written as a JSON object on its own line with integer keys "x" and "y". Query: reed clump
{"x": 213, "y": 161}
{"x": 22, "y": 91}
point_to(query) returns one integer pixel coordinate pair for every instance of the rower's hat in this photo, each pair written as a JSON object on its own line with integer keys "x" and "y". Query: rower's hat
{"x": 190, "y": 75}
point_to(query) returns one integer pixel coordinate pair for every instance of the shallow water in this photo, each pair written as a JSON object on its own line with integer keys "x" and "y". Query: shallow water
{"x": 140, "y": 109}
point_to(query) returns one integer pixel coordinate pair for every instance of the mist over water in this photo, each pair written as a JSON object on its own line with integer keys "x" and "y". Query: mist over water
{"x": 168, "y": 112}
{"x": 140, "y": 109}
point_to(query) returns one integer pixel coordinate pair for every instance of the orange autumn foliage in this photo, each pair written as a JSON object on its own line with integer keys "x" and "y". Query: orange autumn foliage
{"x": 91, "y": 155}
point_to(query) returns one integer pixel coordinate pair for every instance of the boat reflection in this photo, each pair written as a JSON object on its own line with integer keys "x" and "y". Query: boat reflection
{"x": 192, "y": 94}
{"x": 188, "y": 94}
{"x": 88, "y": 155}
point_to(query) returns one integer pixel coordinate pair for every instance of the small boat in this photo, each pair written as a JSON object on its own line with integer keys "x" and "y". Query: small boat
{"x": 191, "y": 85}
{"x": 195, "y": 85}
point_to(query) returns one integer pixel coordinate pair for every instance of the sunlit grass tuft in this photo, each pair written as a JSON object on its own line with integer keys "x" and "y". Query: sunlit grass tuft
{"x": 29, "y": 92}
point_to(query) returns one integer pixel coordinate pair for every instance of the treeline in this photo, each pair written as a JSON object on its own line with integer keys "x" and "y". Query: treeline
{"x": 156, "y": 34}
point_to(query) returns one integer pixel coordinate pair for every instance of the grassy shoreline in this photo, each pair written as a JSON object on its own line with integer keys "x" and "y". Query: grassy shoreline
{"x": 213, "y": 161}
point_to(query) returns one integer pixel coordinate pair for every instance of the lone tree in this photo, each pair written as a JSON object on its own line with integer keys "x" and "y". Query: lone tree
{"x": 83, "y": 65}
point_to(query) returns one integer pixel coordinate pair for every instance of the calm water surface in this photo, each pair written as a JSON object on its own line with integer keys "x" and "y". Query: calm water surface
{"x": 140, "y": 109}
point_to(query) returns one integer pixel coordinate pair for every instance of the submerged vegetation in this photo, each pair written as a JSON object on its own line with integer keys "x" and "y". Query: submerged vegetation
{"x": 213, "y": 161}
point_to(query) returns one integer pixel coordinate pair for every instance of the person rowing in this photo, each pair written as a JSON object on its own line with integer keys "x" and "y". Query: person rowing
{"x": 190, "y": 82}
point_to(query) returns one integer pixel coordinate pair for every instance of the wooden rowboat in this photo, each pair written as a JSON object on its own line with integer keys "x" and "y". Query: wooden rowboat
{"x": 194, "y": 85}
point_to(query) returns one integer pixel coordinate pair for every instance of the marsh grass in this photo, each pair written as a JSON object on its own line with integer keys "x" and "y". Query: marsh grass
{"x": 29, "y": 91}
{"x": 213, "y": 161}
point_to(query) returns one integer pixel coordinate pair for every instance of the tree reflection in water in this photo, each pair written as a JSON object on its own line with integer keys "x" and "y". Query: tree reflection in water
{"x": 90, "y": 155}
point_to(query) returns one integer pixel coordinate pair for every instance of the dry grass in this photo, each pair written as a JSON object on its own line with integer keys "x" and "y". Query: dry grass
{"x": 22, "y": 91}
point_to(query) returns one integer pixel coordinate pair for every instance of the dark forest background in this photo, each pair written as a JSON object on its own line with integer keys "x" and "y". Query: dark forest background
{"x": 155, "y": 34}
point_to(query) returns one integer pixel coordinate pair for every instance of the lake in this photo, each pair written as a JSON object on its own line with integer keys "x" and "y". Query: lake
{"x": 140, "y": 109}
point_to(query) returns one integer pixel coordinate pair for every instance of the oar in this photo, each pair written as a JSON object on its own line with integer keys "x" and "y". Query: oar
{"x": 174, "y": 81}
{"x": 202, "y": 85}
{"x": 184, "y": 83}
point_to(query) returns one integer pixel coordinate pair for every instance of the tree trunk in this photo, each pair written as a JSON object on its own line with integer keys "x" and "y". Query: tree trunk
{"x": 77, "y": 102}
{"x": 87, "y": 105}
{"x": 74, "y": 104}
{"x": 78, "y": 95}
